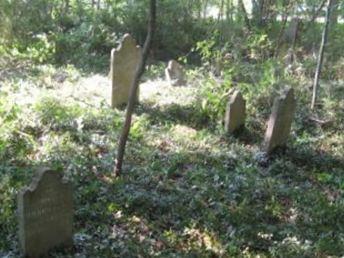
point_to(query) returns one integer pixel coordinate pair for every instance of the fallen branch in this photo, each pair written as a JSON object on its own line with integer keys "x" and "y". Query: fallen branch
{"x": 320, "y": 122}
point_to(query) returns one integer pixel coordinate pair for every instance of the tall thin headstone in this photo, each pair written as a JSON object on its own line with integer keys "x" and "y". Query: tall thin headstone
{"x": 280, "y": 121}
{"x": 235, "y": 113}
{"x": 45, "y": 212}
{"x": 124, "y": 62}
{"x": 175, "y": 74}
{"x": 290, "y": 33}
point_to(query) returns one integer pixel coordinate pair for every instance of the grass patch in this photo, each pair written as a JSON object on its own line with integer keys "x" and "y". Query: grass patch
{"x": 188, "y": 190}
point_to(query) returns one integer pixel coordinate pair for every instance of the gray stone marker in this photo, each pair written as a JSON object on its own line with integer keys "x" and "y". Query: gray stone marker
{"x": 124, "y": 62}
{"x": 45, "y": 211}
{"x": 291, "y": 31}
{"x": 175, "y": 74}
{"x": 235, "y": 113}
{"x": 280, "y": 121}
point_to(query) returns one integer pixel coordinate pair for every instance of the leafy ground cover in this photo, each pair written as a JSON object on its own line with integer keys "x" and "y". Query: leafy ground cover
{"x": 188, "y": 190}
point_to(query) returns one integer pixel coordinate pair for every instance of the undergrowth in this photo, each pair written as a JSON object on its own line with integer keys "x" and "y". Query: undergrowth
{"x": 188, "y": 190}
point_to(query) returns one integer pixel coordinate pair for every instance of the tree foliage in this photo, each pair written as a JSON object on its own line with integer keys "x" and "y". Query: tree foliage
{"x": 77, "y": 30}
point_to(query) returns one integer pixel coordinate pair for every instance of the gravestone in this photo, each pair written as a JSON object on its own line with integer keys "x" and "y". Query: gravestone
{"x": 235, "y": 113}
{"x": 45, "y": 212}
{"x": 175, "y": 74}
{"x": 124, "y": 62}
{"x": 220, "y": 63}
{"x": 292, "y": 30}
{"x": 280, "y": 121}
{"x": 218, "y": 67}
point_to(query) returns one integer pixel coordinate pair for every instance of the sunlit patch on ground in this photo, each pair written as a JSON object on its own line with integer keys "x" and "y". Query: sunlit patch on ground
{"x": 160, "y": 93}
{"x": 187, "y": 188}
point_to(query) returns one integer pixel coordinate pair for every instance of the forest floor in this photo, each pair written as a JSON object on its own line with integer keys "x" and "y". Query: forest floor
{"x": 188, "y": 189}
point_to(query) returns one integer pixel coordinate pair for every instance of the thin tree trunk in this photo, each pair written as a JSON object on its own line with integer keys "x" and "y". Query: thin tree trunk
{"x": 231, "y": 10}
{"x": 261, "y": 13}
{"x": 316, "y": 14}
{"x": 271, "y": 11}
{"x": 227, "y": 10}
{"x": 220, "y": 14}
{"x": 258, "y": 11}
{"x": 285, "y": 17}
{"x": 132, "y": 96}
{"x": 205, "y": 9}
{"x": 243, "y": 10}
{"x": 220, "y": 19}
{"x": 296, "y": 35}
{"x": 321, "y": 54}
{"x": 334, "y": 12}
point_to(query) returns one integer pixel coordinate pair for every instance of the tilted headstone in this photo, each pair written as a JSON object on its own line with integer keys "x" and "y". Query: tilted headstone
{"x": 175, "y": 74}
{"x": 235, "y": 113}
{"x": 280, "y": 121}
{"x": 45, "y": 211}
{"x": 124, "y": 62}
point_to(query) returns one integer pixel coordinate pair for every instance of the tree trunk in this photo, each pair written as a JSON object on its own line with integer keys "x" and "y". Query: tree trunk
{"x": 220, "y": 14}
{"x": 244, "y": 13}
{"x": 321, "y": 54}
{"x": 281, "y": 32}
{"x": 229, "y": 10}
{"x": 134, "y": 87}
{"x": 205, "y": 8}
{"x": 316, "y": 14}
{"x": 296, "y": 33}
{"x": 334, "y": 12}
{"x": 257, "y": 11}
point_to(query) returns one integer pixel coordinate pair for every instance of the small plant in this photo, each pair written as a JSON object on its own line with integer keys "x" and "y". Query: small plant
{"x": 214, "y": 98}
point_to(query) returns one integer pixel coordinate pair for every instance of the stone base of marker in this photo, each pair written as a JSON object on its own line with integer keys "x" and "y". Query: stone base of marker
{"x": 235, "y": 113}
{"x": 124, "y": 62}
{"x": 175, "y": 74}
{"x": 279, "y": 124}
{"x": 45, "y": 213}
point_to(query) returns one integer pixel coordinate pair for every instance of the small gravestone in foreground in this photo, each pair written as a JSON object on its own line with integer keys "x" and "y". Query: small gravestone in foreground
{"x": 124, "y": 62}
{"x": 175, "y": 74}
{"x": 45, "y": 211}
{"x": 280, "y": 121}
{"x": 235, "y": 113}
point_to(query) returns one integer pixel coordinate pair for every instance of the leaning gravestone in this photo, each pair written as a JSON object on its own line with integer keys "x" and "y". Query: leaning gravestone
{"x": 175, "y": 73}
{"x": 280, "y": 121}
{"x": 45, "y": 210}
{"x": 124, "y": 62}
{"x": 235, "y": 113}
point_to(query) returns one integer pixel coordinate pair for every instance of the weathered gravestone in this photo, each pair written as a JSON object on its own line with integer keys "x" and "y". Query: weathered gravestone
{"x": 220, "y": 63}
{"x": 292, "y": 30}
{"x": 124, "y": 62}
{"x": 45, "y": 211}
{"x": 235, "y": 113}
{"x": 175, "y": 74}
{"x": 280, "y": 121}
